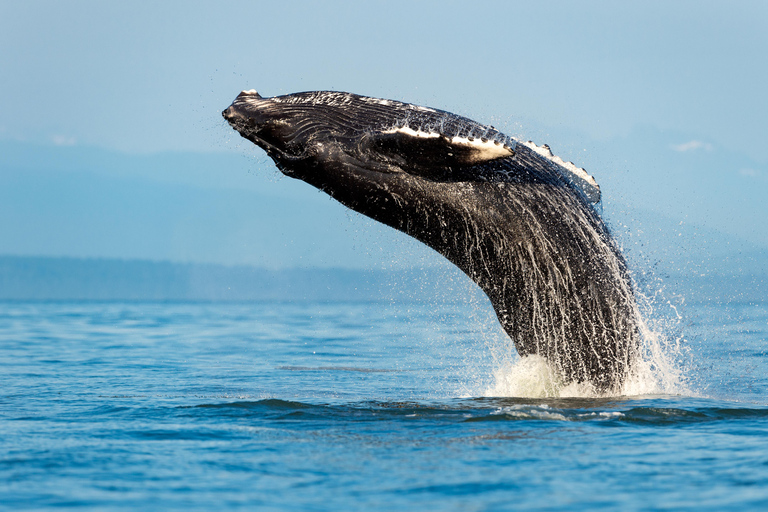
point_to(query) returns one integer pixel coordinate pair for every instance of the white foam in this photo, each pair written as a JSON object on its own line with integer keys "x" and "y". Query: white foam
{"x": 538, "y": 412}
{"x": 532, "y": 377}
{"x": 657, "y": 370}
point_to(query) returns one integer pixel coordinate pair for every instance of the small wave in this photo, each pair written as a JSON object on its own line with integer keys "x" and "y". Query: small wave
{"x": 662, "y": 412}
{"x": 268, "y": 403}
{"x": 545, "y": 413}
{"x": 335, "y": 368}
{"x": 640, "y": 416}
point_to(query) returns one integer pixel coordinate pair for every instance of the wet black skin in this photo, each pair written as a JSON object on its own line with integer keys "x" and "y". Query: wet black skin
{"x": 512, "y": 222}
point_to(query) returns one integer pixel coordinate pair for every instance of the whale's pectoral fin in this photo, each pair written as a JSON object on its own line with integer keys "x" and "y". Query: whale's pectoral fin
{"x": 432, "y": 154}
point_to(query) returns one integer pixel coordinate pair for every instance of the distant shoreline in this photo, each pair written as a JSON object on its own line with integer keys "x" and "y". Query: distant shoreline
{"x": 43, "y": 278}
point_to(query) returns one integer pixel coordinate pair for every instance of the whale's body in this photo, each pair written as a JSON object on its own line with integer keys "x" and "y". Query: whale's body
{"x": 517, "y": 220}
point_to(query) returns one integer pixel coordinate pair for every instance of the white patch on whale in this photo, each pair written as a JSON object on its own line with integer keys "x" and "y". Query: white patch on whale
{"x": 485, "y": 150}
{"x": 482, "y": 150}
{"x": 576, "y": 175}
{"x": 405, "y": 130}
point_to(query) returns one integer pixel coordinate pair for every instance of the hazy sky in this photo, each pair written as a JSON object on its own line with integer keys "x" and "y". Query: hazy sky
{"x": 145, "y": 77}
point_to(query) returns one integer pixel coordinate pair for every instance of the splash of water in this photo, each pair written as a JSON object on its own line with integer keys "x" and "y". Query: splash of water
{"x": 533, "y": 377}
{"x": 659, "y": 367}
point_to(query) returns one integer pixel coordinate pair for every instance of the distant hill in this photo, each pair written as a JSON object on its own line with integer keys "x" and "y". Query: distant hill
{"x": 119, "y": 216}
{"x": 680, "y": 208}
{"x": 225, "y": 208}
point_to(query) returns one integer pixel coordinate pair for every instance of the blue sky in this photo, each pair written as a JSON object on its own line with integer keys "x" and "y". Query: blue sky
{"x": 664, "y": 102}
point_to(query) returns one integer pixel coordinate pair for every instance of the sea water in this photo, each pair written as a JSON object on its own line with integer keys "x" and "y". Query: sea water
{"x": 365, "y": 406}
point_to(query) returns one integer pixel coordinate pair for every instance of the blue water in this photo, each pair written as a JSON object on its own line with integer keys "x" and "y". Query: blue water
{"x": 374, "y": 406}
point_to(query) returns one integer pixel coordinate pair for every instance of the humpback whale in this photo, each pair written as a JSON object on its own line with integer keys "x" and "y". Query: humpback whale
{"x": 519, "y": 221}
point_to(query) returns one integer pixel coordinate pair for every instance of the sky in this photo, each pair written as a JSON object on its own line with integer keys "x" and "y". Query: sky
{"x": 664, "y": 102}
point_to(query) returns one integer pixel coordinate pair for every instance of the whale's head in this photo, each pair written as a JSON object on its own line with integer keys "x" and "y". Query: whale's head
{"x": 288, "y": 128}
{"x": 312, "y": 133}
{"x": 382, "y": 136}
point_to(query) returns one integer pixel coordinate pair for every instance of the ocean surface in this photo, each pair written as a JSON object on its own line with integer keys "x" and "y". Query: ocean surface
{"x": 368, "y": 406}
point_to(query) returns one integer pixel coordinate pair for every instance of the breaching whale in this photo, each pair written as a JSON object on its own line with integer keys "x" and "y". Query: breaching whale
{"x": 517, "y": 220}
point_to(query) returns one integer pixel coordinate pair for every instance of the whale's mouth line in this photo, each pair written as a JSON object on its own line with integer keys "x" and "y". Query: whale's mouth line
{"x": 249, "y": 132}
{"x": 271, "y": 149}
